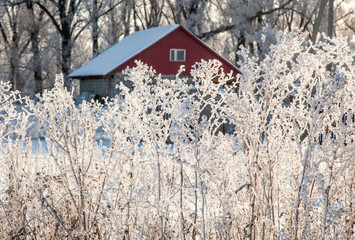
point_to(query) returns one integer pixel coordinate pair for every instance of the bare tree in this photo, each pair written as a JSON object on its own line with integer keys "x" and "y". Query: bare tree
{"x": 13, "y": 38}
{"x": 66, "y": 17}
{"x": 34, "y": 24}
{"x": 149, "y": 13}
{"x": 97, "y": 9}
{"x": 193, "y": 14}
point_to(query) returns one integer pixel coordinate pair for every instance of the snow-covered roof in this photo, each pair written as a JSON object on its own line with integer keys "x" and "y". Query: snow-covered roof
{"x": 122, "y": 51}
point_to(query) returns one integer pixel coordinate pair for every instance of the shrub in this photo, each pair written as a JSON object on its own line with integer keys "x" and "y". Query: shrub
{"x": 164, "y": 168}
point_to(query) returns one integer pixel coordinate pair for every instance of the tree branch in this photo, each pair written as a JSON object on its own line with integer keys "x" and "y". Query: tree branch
{"x": 55, "y": 23}
{"x": 208, "y": 35}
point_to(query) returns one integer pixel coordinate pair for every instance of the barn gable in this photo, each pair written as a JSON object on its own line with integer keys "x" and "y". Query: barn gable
{"x": 159, "y": 54}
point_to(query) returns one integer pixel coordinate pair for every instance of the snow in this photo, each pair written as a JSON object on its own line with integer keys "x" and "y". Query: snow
{"x": 123, "y": 51}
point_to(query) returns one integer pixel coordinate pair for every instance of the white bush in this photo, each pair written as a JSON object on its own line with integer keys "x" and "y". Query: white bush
{"x": 166, "y": 169}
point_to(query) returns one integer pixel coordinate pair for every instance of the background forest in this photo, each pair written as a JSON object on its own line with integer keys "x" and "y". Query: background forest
{"x": 39, "y": 38}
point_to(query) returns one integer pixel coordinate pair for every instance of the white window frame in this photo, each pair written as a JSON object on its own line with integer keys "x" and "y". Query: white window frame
{"x": 175, "y": 50}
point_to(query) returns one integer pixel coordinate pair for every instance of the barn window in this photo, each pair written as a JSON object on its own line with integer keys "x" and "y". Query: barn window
{"x": 177, "y": 55}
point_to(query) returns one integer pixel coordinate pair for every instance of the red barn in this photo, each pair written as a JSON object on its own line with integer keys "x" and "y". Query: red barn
{"x": 164, "y": 48}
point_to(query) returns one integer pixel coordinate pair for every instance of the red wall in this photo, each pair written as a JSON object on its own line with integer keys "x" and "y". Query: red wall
{"x": 158, "y": 55}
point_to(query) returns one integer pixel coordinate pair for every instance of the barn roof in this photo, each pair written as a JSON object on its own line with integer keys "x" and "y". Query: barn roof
{"x": 122, "y": 51}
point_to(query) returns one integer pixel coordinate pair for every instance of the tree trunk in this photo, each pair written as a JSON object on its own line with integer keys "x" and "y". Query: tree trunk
{"x": 66, "y": 59}
{"x": 36, "y": 63}
{"x": 330, "y": 18}
{"x": 318, "y": 20}
{"x": 95, "y": 29}
{"x": 36, "y": 55}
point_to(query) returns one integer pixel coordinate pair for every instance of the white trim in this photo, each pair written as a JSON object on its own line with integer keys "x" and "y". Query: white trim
{"x": 175, "y": 51}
